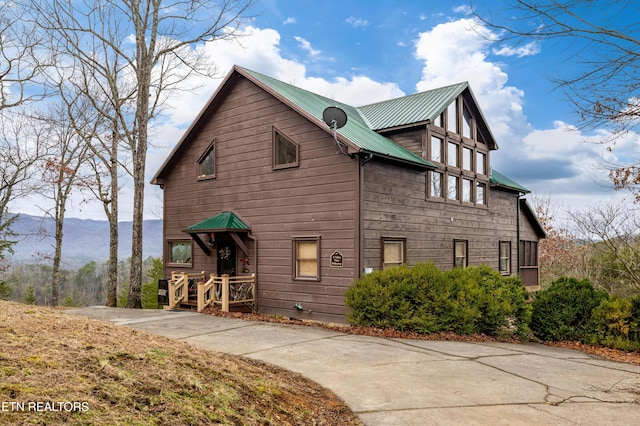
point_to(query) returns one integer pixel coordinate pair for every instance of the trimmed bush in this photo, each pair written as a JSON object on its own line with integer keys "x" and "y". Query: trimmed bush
{"x": 563, "y": 311}
{"x": 424, "y": 299}
{"x": 615, "y": 323}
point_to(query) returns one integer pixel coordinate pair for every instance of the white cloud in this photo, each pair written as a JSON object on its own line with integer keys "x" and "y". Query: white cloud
{"x": 306, "y": 45}
{"x": 289, "y": 20}
{"x": 529, "y": 49}
{"x": 464, "y": 9}
{"x": 357, "y": 22}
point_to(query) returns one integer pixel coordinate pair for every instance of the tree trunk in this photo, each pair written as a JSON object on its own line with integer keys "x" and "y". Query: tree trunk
{"x": 112, "y": 216}
{"x": 57, "y": 258}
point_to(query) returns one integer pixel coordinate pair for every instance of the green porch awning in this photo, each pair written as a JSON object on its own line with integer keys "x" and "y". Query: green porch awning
{"x": 224, "y": 222}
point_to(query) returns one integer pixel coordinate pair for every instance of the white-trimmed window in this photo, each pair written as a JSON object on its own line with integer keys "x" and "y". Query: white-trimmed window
{"x": 393, "y": 252}
{"x": 306, "y": 258}
{"x": 460, "y": 253}
{"x": 505, "y": 257}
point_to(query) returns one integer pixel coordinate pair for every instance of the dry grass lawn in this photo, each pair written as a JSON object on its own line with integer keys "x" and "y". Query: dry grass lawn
{"x": 57, "y": 368}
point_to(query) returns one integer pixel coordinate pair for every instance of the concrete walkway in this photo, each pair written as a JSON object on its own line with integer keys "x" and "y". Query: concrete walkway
{"x": 416, "y": 382}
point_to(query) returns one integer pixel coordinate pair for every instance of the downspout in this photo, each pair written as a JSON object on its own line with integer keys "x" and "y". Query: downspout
{"x": 255, "y": 284}
{"x": 520, "y": 194}
{"x": 363, "y": 160}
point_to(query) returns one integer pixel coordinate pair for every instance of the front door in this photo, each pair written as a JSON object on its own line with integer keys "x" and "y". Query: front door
{"x": 226, "y": 253}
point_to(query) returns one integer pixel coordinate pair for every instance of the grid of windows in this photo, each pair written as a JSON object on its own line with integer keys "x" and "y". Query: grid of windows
{"x": 462, "y": 168}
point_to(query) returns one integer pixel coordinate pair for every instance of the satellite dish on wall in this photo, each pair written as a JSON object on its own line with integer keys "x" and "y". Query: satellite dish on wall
{"x": 335, "y": 117}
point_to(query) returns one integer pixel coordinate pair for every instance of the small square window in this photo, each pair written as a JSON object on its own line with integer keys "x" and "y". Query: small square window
{"x": 505, "y": 257}
{"x": 179, "y": 253}
{"x": 306, "y": 252}
{"x": 393, "y": 252}
{"x": 207, "y": 163}
{"x": 285, "y": 151}
{"x": 460, "y": 253}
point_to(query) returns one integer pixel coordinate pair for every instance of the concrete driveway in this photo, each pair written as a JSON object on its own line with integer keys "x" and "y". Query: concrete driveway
{"x": 417, "y": 382}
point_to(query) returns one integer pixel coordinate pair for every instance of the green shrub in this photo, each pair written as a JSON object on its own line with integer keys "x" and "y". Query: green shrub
{"x": 615, "y": 323}
{"x": 563, "y": 310}
{"x": 424, "y": 299}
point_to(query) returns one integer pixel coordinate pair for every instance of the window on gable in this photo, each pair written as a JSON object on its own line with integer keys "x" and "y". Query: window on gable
{"x": 438, "y": 121}
{"x": 467, "y": 158}
{"x": 207, "y": 163}
{"x": 460, "y": 253}
{"x": 393, "y": 253}
{"x": 306, "y": 251}
{"x": 452, "y": 118}
{"x": 466, "y": 123}
{"x": 481, "y": 163}
{"x": 452, "y": 154}
{"x": 505, "y": 257}
{"x": 285, "y": 151}
{"x": 436, "y": 149}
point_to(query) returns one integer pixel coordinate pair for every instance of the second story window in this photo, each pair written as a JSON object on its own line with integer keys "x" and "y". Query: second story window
{"x": 207, "y": 163}
{"x": 285, "y": 151}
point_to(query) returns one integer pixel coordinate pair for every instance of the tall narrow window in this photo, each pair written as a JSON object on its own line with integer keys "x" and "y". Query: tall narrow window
{"x": 393, "y": 252}
{"x": 207, "y": 163}
{"x": 481, "y": 193}
{"x": 306, "y": 252}
{"x": 467, "y": 158}
{"x": 452, "y": 188}
{"x": 467, "y": 185}
{"x": 505, "y": 257}
{"x": 452, "y": 154}
{"x": 436, "y": 184}
{"x": 460, "y": 253}
{"x": 466, "y": 123}
{"x": 481, "y": 163}
{"x": 285, "y": 151}
{"x": 452, "y": 118}
{"x": 436, "y": 149}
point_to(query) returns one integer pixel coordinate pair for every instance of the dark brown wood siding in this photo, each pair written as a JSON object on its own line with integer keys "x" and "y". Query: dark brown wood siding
{"x": 317, "y": 198}
{"x": 395, "y": 205}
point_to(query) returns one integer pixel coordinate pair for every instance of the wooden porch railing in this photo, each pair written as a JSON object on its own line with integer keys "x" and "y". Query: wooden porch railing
{"x": 225, "y": 291}
{"x": 179, "y": 287}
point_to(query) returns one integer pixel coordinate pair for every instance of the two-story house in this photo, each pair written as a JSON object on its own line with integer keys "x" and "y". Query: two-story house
{"x": 259, "y": 183}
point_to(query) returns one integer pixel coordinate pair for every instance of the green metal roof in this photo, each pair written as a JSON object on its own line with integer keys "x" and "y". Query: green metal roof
{"x": 357, "y": 131}
{"x": 416, "y": 108}
{"x": 499, "y": 179}
{"x": 225, "y": 221}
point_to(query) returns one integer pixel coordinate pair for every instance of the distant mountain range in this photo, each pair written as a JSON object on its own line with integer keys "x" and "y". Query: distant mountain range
{"x": 83, "y": 240}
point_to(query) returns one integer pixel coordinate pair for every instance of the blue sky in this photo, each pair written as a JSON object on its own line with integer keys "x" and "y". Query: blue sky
{"x": 363, "y": 51}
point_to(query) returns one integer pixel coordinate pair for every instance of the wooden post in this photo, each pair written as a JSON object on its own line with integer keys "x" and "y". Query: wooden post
{"x": 225, "y": 292}
{"x": 172, "y": 292}
{"x": 201, "y": 285}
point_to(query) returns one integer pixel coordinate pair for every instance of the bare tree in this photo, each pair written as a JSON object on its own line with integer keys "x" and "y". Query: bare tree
{"x": 62, "y": 173}
{"x": 155, "y": 42}
{"x": 612, "y": 231}
{"x": 602, "y": 38}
